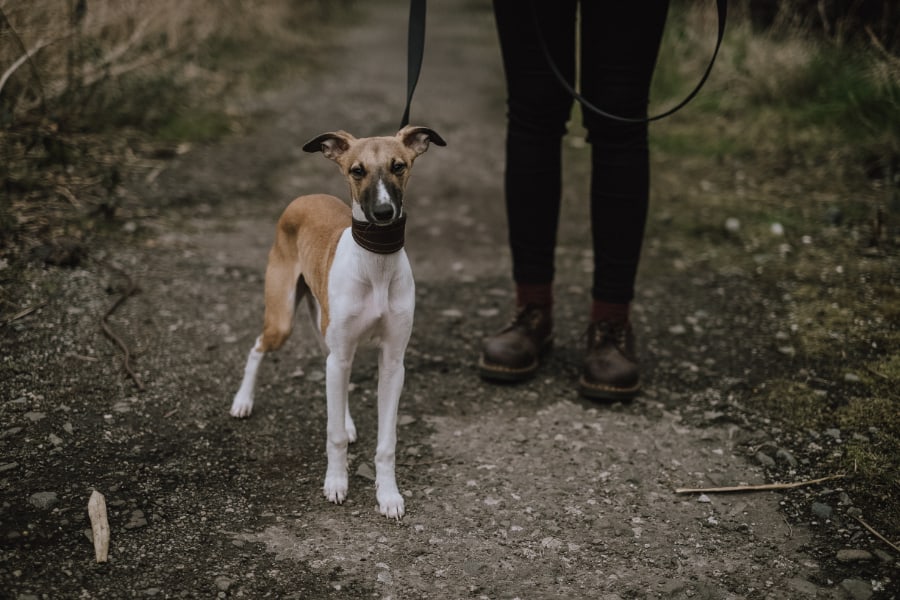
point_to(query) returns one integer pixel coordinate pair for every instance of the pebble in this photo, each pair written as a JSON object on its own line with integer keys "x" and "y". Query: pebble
{"x": 786, "y": 456}
{"x": 10, "y": 432}
{"x": 732, "y": 225}
{"x": 851, "y": 378}
{"x": 223, "y": 583}
{"x": 43, "y": 500}
{"x": 366, "y": 471}
{"x": 8, "y": 466}
{"x": 822, "y": 511}
{"x": 34, "y": 416}
{"x": 848, "y": 555}
{"x": 857, "y": 588}
{"x": 137, "y": 520}
{"x": 764, "y": 459}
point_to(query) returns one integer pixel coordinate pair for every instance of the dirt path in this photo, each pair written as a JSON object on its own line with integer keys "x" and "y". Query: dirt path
{"x": 512, "y": 492}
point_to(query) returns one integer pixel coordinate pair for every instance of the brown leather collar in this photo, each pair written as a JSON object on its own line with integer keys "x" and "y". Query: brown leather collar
{"x": 380, "y": 239}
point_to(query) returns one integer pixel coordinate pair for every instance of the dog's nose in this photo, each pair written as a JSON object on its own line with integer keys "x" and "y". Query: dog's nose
{"x": 383, "y": 213}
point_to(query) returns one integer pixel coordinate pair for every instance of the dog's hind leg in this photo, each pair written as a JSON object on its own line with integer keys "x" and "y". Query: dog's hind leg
{"x": 284, "y": 289}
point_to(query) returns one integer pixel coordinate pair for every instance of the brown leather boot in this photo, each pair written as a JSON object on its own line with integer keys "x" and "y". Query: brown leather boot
{"x": 513, "y": 354}
{"x": 610, "y": 367}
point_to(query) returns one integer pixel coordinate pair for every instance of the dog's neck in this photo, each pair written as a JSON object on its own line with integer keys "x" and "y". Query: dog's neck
{"x": 380, "y": 239}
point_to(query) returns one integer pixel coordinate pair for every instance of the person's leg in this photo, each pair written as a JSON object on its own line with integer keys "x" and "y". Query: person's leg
{"x": 537, "y": 111}
{"x": 620, "y": 42}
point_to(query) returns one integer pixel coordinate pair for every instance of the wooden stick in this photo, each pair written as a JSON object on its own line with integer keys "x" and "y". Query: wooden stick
{"x": 755, "y": 488}
{"x": 878, "y": 535}
{"x": 104, "y": 325}
{"x": 99, "y": 525}
{"x": 23, "y": 313}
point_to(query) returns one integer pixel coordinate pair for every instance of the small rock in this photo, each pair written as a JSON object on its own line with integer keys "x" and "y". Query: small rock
{"x": 833, "y": 433}
{"x": 857, "y": 588}
{"x": 8, "y": 466}
{"x": 10, "y": 432}
{"x": 703, "y": 498}
{"x": 804, "y": 587}
{"x": 678, "y": 329}
{"x": 34, "y": 416}
{"x": 365, "y": 470}
{"x": 732, "y": 225}
{"x": 785, "y": 456}
{"x": 137, "y": 520}
{"x": 851, "y": 378}
{"x": 55, "y": 439}
{"x": 315, "y": 376}
{"x": 385, "y": 577}
{"x": 764, "y": 459}
{"x": 43, "y": 500}
{"x": 223, "y": 583}
{"x": 848, "y": 555}
{"x": 822, "y": 511}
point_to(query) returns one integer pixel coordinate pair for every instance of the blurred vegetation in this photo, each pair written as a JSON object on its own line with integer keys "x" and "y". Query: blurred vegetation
{"x": 95, "y": 91}
{"x": 801, "y": 124}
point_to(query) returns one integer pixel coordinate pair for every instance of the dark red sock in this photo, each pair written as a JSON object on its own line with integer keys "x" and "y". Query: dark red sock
{"x": 534, "y": 294}
{"x": 609, "y": 311}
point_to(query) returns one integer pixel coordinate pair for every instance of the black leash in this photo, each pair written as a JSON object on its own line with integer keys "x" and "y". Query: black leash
{"x": 414, "y": 53}
{"x": 416, "y": 50}
{"x": 722, "y": 9}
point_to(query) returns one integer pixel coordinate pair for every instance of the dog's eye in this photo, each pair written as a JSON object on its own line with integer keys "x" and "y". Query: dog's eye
{"x": 357, "y": 171}
{"x": 397, "y": 168}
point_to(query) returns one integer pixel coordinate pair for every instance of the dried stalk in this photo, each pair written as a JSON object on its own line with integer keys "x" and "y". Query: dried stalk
{"x": 878, "y": 535}
{"x": 755, "y": 488}
{"x": 130, "y": 290}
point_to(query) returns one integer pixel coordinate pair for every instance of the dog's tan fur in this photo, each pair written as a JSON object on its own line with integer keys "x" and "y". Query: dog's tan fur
{"x": 304, "y": 259}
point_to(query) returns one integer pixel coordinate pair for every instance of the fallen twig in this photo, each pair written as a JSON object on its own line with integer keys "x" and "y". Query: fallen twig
{"x": 130, "y": 290}
{"x": 878, "y": 535}
{"x": 755, "y": 488}
{"x": 99, "y": 525}
{"x": 23, "y": 313}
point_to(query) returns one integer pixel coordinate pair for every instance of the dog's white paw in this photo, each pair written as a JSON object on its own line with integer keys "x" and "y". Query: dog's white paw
{"x": 241, "y": 407}
{"x": 390, "y": 502}
{"x": 335, "y": 488}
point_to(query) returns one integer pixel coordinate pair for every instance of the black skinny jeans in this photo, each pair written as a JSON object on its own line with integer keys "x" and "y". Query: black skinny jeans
{"x": 619, "y": 46}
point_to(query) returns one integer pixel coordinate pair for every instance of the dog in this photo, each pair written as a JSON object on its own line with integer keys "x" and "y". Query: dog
{"x": 350, "y": 264}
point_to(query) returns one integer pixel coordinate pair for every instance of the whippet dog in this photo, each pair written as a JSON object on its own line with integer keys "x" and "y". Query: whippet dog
{"x": 350, "y": 264}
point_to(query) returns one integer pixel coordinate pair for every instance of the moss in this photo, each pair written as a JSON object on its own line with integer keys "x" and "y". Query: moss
{"x": 795, "y": 404}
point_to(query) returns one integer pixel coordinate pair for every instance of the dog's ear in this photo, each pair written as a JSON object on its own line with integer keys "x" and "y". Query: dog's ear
{"x": 418, "y": 138}
{"x": 331, "y": 144}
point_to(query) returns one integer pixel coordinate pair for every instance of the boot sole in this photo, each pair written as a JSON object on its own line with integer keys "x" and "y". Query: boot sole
{"x": 495, "y": 372}
{"x": 601, "y": 391}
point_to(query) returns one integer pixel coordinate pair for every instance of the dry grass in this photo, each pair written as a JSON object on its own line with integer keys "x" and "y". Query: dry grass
{"x": 93, "y": 90}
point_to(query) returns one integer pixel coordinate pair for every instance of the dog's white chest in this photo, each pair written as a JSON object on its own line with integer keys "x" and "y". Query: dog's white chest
{"x": 369, "y": 298}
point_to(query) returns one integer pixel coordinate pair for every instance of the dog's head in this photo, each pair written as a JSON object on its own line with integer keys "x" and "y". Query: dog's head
{"x": 377, "y": 168}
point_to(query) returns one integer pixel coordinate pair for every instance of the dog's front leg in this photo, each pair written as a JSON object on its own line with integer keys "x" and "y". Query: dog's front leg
{"x": 391, "y": 373}
{"x": 337, "y": 381}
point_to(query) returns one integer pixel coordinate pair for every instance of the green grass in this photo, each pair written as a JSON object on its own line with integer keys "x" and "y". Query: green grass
{"x": 787, "y": 129}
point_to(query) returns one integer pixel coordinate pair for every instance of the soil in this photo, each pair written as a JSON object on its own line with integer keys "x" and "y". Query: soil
{"x": 520, "y": 491}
